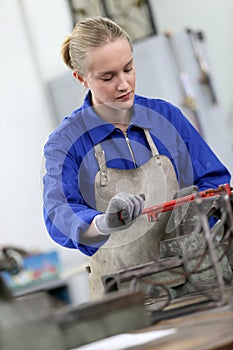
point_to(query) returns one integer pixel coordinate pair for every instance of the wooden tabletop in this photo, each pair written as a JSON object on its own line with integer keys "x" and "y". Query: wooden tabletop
{"x": 208, "y": 329}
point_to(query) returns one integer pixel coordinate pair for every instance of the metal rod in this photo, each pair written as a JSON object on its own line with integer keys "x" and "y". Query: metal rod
{"x": 186, "y": 84}
{"x": 202, "y": 62}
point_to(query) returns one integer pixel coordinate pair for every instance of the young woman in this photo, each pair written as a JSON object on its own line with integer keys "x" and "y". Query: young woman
{"x": 116, "y": 154}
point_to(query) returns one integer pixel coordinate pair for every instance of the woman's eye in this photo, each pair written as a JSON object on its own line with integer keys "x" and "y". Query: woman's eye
{"x": 128, "y": 69}
{"x": 107, "y": 79}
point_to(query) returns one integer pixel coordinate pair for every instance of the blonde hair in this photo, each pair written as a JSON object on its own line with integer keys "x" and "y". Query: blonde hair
{"x": 90, "y": 33}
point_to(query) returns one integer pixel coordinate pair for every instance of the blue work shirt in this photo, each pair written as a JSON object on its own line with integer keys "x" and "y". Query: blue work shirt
{"x": 71, "y": 165}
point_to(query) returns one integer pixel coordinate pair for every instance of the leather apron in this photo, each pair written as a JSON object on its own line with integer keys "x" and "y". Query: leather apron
{"x": 139, "y": 244}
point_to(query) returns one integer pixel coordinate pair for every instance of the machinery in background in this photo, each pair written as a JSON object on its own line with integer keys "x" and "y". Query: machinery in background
{"x": 194, "y": 273}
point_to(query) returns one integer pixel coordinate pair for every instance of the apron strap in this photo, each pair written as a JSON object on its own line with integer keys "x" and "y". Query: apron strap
{"x": 153, "y": 148}
{"x": 100, "y": 156}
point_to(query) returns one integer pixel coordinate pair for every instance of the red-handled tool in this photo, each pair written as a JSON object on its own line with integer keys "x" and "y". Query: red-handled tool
{"x": 154, "y": 211}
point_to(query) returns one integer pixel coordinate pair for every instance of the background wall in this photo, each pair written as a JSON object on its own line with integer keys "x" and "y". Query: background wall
{"x": 31, "y": 33}
{"x": 214, "y": 18}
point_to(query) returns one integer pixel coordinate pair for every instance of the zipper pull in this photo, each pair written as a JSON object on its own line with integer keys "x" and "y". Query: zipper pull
{"x": 130, "y": 149}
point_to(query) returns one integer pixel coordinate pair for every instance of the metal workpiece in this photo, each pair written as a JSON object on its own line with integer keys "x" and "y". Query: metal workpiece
{"x": 194, "y": 256}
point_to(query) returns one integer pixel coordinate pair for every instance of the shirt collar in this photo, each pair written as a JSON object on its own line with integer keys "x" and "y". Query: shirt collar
{"x": 99, "y": 129}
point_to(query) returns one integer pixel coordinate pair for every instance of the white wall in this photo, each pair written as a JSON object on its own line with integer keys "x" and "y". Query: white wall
{"x": 30, "y": 36}
{"x": 25, "y": 123}
{"x": 214, "y": 18}
{"x": 31, "y": 33}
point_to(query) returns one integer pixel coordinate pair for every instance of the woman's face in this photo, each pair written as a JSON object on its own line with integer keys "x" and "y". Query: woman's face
{"x": 111, "y": 76}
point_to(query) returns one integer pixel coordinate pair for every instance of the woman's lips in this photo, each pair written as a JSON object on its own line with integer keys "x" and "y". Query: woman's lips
{"x": 125, "y": 96}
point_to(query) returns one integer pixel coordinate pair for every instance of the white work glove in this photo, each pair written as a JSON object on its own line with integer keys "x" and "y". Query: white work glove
{"x": 122, "y": 209}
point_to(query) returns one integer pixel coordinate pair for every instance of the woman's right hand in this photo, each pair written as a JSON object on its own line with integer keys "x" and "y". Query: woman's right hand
{"x": 122, "y": 210}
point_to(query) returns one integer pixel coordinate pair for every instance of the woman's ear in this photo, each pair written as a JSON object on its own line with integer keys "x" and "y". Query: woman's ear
{"x": 81, "y": 79}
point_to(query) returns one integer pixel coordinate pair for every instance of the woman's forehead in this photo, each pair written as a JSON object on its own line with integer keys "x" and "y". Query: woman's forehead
{"x": 110, "y": 56}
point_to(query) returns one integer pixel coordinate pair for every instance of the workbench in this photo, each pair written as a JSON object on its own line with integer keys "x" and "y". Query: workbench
{"x": 203, "y": 330}
{"x": 210, "y": 329}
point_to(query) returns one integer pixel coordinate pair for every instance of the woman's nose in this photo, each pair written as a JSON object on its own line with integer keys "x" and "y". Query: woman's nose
{"x": 122, "y": 83}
